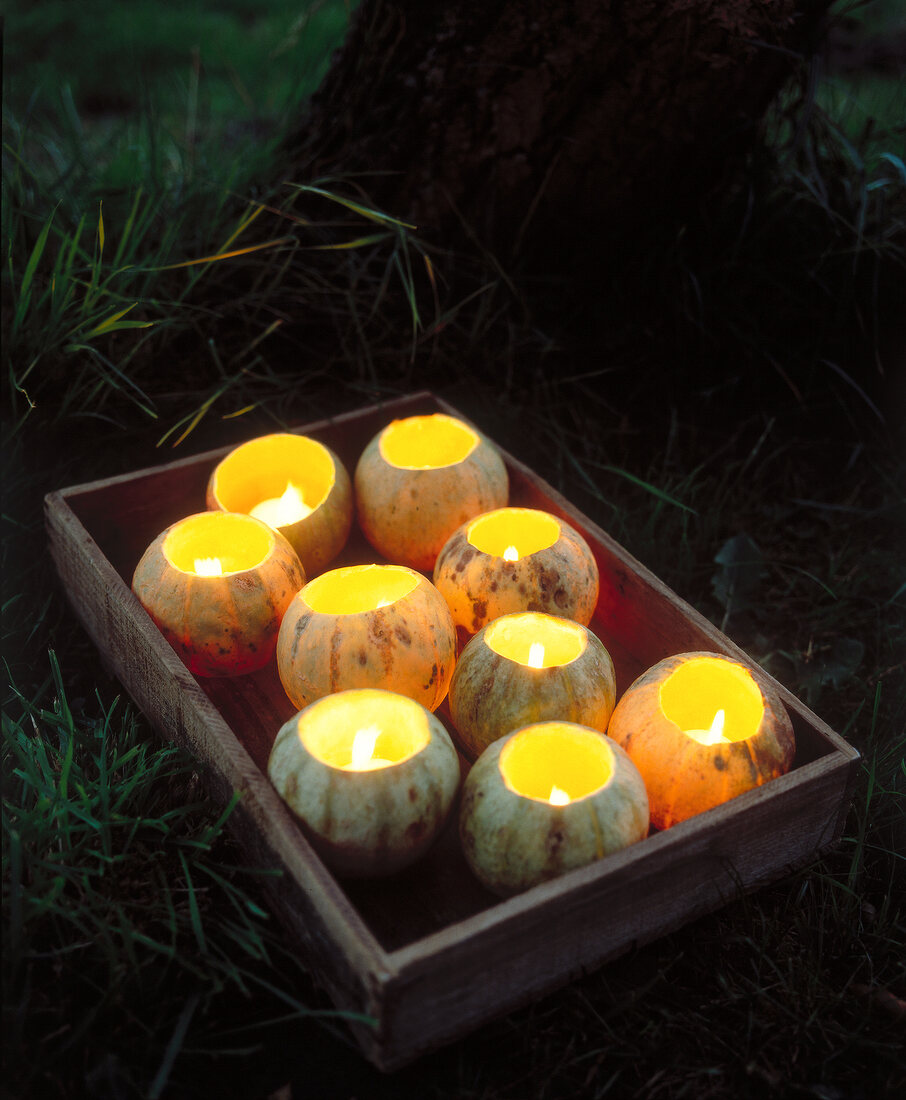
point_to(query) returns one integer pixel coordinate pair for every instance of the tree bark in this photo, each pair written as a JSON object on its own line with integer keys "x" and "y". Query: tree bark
{"x": 548, "y": 122}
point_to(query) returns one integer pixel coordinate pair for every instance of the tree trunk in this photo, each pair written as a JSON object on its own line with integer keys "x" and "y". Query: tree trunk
{"x": 548, "y": 122}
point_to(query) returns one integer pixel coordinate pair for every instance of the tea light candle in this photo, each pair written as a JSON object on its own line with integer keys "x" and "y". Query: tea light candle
{"x": 702, "y": 728}
{"x": 714, "y": 734}
{"x": 516, "y": 559}
{"x": 382, "y": 626}
{"x": 523, "y": 668}
{"x": 282, "y": 511}
{"x": 362, "y": 758}
{"x": 295, "y": 484}
{"x": 217, "y": 584}
{"x": 546, "y": 799}
{"x": 370, "y": 774}
{"x": 419, "y": 479}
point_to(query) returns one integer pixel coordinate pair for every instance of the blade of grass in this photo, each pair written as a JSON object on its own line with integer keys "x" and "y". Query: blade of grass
{"x": 113, "y": 323}
{"x": 358, "y": 242}
{"x": 218, "y": 256}
{"x": 176, "y": 1040}
{"x": 660, "y": 494}
{"x": 358, "y": 208}
{"x": 23, "y": 298}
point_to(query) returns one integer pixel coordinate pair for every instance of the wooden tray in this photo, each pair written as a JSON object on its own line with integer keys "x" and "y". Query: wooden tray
{"x": 430, "y": 954}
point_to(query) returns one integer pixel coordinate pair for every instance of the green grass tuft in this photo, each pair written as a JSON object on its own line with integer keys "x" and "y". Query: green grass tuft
{"x": 121, "y": 916}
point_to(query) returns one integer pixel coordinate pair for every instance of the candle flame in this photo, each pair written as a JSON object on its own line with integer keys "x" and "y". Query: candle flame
{"x": 363, "y": 748}
{"x": 712, "y": 736}
{"x": 558, "y": 797}
{"x": 511, "y": 554}
{"x": 208, "y": 567}
{"x": 284, "y": 510}
{"x": 536, "y": 655}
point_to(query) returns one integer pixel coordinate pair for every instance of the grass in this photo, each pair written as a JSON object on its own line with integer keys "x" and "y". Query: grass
{"x": 143, "y": 150}
{"x": 114, "y": 865}
{"x": 762, "y": 483}
{"x": 161, "y": 92}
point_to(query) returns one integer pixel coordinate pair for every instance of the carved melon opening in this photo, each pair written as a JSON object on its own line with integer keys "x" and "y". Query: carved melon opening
{"x": 427, "y": 442}
{"x": 357, "y": 588}
{"x": 694, "y": 695}
{"x": 556, "y": 762}
{"x": 364, "y": 729}
{"x": 513, "y": 533}
{"x": 278, "y": 478}
{"x": 536, "y": 640}
{"x": 218, "y": 543}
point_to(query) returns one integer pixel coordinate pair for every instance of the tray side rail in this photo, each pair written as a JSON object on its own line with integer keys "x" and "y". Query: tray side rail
{"x": 344, "y": 955}
{"x": 523, "y": 948}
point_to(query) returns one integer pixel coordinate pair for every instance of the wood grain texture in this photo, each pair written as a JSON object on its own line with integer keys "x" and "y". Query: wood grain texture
{"x": 536, "y": 941}
{"x": 430, "y": 953}
{"x": 180, "y": 710}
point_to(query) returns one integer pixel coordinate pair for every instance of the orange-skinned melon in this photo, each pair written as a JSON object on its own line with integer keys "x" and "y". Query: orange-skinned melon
{"x": 227, "y": 624}
{"x": 667, "y": 723}
{"x": 527, "y": 667}
{"x": 266, "y": 469}
{"x": 419, "y": 479}
{"x": 552, "y": 568}
{"x": 382, "y": 626}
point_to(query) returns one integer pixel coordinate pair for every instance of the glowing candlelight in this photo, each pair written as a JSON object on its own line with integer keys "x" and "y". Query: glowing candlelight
{"x": 712, "y": 736}
{"x": 283, "y": 510}
{"x": 545, "y": 799}
{"x": 558, "y": 797}
{"x": 315, "y": 509}
{"x": 208, "y": 567}
{"x": 516, "y": 559}
{"x": 218, "y": 584}
{"x": 366, "y": 825}
{"x": 373, "y": 625}
{"x": 529, "y": 667}
{"x": 363, "y": 758}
